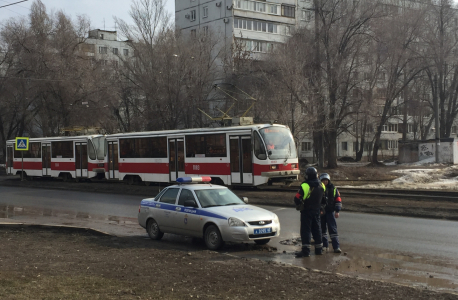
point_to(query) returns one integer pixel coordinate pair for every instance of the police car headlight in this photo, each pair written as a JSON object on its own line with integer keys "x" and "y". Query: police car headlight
{"x": 236, "y": 222}
{"x": 276, "y": 220}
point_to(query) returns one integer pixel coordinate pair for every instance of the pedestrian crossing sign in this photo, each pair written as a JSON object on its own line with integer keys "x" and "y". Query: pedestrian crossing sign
{"x": 22, "y": 144}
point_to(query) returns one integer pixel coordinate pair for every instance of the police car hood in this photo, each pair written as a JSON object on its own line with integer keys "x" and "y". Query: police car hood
{"x": 243, "y": 212}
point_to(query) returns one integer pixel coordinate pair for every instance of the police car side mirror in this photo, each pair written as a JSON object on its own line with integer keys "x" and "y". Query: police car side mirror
{"x": 245, "y": 199}
{"x": 190, "y": 203}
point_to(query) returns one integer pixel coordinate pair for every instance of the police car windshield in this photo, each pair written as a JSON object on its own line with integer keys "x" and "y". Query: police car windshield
{"x": 279, "y": 142}
{"x": 217, "y": 197}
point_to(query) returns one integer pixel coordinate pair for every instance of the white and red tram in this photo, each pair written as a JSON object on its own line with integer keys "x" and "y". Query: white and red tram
{"x": 75, "y": 157}
{"x": 237, "y": 155}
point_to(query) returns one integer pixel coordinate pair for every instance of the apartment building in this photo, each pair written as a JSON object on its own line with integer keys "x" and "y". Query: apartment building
{"x": 255, "y": 25}
{"x": 105, "y": 47}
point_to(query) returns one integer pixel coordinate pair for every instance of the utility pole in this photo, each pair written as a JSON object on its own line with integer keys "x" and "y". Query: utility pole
{"x": 292, "y": 110}
{"x": 436, "y": 113}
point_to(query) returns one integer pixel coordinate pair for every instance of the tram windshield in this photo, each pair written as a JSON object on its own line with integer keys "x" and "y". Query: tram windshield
{"x": 100, "y": 147}
{"x": 279, "y": 142}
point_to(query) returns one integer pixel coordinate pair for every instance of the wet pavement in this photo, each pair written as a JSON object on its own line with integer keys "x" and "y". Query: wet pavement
{"x": 395, "y": 256}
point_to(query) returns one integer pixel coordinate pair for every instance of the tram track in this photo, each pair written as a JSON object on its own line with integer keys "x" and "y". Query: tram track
{"x": 417, "y": 195}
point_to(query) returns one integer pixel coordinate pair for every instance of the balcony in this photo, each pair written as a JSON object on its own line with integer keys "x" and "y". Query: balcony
{"x": 257, "y": 6}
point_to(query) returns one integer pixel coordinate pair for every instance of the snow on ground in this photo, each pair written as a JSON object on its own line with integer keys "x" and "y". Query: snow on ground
{"x": 440, "y": 177}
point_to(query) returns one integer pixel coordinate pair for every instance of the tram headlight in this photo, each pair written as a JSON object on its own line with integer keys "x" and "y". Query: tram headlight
{"x": 293, "y": 166}
{"x": 273, "y": 167}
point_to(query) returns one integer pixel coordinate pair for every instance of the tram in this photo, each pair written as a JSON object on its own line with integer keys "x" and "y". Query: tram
{"x": 236, "y": 155}
{"x": 77, "y": 157}
{"x": 247, "y": 155}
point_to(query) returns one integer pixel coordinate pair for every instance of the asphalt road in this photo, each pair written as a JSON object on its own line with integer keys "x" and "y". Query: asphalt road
{"x": 418, "y": 252}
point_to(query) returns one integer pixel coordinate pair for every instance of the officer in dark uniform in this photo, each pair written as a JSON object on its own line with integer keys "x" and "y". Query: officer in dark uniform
{"x": 308, "y": 201}
{"x": 333, "y": 205}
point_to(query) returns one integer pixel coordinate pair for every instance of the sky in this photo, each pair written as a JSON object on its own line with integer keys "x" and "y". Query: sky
{"x": 100, "y": 12}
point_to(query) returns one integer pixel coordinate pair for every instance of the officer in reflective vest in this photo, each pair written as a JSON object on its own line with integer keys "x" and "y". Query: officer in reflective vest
{"x": 308, "y": 201}
{"x": 333, "y": 205}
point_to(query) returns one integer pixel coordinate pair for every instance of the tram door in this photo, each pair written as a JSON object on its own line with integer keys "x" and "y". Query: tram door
{"x": 176, "y": 158}
{"x": 241, "y": 159}
{"x": 46, "y": 159}
{"x": 113, "y": 169}
{"x": 81, "y": 160}
{"x": 9, "y": 160}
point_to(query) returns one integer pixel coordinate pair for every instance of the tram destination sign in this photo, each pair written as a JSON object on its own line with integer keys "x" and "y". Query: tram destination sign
{"x": 22, "y": 144}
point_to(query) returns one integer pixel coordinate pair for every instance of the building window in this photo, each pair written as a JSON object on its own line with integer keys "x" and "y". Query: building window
{"x": 270, "y": 47}
{"x": 344, "y": 146}
{"x": 383, "y": 145}
{"x": 392, "y": 144}
{"x": 306, "y": 146}
{"x": 454, "y": 129}
{"x": 193, "y": 33}
{"x": 288, "y": 30}
{"x": 410, "y": 128}
{"x": 115, "y": 51}
{"x": 288, "y": 11}
{"x": 103, "y": 50}
{"x": 205, "y": 28}
{"x": 257, "y": 46}
{"x": 125, "y": 52}
{"x": 306, "y": 15}
{"x": 256, "y": 25}
{"x": 193, "y": 15}
{"x": 393, "y": 127}
{"x": 205, "y": 11}
{"x": 101, "y": 36}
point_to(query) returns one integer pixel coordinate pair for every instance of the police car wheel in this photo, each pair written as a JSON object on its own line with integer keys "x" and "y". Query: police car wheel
{"x": 213, "y": 238}
{"x": 153, "y": 230}
{"x": 262, "y": 242}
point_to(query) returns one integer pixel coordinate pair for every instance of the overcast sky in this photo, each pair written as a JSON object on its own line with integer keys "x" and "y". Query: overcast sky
{"x": 100, "y": 12}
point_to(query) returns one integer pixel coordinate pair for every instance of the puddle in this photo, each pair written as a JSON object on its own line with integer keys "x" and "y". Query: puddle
{"x": 15, "y": 212}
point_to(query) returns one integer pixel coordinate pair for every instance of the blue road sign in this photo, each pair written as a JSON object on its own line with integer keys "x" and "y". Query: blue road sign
{"x": 22, "y": 144}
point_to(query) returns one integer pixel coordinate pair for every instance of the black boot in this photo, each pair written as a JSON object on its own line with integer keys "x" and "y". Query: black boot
{"x": 302, "y": 254}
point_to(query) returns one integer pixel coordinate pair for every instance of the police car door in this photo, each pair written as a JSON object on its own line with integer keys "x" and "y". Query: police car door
{"x": 187, "y": 219}
{"x": 167, "y": 210}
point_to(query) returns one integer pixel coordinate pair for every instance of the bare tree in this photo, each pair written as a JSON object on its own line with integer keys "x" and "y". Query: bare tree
{"x": 398, "y": 35}
{"x": 441, "y": 42}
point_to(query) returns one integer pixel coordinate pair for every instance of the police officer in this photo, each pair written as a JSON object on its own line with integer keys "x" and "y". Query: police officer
{"x": 333, "y": 205}
{"x": 308, "y": 200}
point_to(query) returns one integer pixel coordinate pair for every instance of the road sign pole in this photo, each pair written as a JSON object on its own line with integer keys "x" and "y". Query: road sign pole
{"x": 22, "y": 173}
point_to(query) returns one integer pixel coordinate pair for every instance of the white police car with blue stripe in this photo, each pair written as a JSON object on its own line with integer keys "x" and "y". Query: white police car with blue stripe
{"x": 204, "y": 210}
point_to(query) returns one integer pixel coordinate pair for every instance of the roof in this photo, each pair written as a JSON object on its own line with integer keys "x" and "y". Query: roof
{"x": 194, "y": 130}
{"x": 198, "y": 186}
{"x": 59, "y": 138}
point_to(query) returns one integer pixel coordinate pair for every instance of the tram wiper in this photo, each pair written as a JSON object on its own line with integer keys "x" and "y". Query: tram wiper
{"x": 235, "y": 203}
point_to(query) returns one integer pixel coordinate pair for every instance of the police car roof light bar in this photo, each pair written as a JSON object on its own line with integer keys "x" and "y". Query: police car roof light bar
{"x": 202, "y": 179}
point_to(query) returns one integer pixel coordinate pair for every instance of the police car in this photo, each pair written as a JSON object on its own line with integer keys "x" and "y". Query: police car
{"x": 207, "y": 211}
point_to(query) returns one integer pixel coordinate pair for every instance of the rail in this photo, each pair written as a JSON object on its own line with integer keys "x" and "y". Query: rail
{"x": 417, "y": 195}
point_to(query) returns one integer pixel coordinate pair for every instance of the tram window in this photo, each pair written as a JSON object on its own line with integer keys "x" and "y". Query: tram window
{"x": 91, "y": 151}
{"x": 259, "y": 150}
{"x": 159, "y": 147}
{"x": 33, "y": 152}
{"x": 151, "y": 147}
{"x": 209, "y": 145}
{"x": 62, "y": 149}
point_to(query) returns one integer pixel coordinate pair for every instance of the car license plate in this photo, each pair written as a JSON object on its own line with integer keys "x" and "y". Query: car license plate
{"x": 263, "y": 230}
